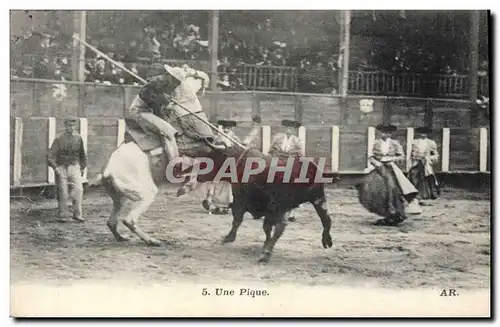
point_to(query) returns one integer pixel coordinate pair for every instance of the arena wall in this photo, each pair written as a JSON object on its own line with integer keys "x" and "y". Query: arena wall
{"x": 340, "y": 132}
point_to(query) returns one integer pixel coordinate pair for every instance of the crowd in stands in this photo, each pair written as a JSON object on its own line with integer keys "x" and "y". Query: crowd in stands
{"x": 48, "y": 56}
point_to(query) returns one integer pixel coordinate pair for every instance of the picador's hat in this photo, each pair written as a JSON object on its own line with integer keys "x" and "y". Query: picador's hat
{"x": 176, "y": 72}
{"x": 227, "y": 123}
{"x": 290, "y": 123}
{"x": 70, "y": 122}
{"x": 423, "y": 130}
{"x": 386, "y": 128}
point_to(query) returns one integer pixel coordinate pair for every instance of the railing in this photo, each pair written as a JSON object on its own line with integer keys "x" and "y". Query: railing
{"x": 377, "y": 83}
{"x": 261, "y": 78}
{"x": 285, "y": 79}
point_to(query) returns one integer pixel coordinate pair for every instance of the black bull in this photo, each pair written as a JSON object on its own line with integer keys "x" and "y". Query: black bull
{"x": 270, "y": 199}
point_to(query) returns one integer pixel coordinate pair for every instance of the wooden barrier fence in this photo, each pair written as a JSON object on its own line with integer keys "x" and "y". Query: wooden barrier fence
{"x": 45, "y": 98}
{"x": 332, "y": 129}
{"x": 346, "y": 148}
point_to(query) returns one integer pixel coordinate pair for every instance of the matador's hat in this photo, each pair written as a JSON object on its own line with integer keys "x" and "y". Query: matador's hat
{"x": 423, "y": 130}
{"x": 291, "y": 123}
{"x": 227, "y": 123}
{"x": 70, "y": 122}
{"x": 386, "y": 128}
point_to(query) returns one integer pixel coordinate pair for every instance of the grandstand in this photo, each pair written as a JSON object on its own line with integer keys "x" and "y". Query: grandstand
{"x": 266, "y": 55}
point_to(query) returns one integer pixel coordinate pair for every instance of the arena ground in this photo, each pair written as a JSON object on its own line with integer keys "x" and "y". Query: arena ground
{"x": 447, "y": 246}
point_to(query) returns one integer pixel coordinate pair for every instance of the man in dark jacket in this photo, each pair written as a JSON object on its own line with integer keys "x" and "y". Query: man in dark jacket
{"x": 68, "y": 159}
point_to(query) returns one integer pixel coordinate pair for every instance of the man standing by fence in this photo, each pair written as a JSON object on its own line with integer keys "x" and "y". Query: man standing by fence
{"x": 68, "y": 159}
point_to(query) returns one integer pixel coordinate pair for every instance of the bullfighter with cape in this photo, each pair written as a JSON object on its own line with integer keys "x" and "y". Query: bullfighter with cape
{"x": 424, "y": 155}
{"x": 385, "y": 199}
{"x": 287, "y": 144}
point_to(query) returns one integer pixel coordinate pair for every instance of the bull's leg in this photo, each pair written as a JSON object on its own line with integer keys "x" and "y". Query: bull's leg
{"x": 113, "y": 220}
{"x": 279, "y": 223}
{"x": 321, "y": 207}
{"x": 291, "y": 215}
{"x": 131, "y": 220}
{"x": 268, "y": 228}
{"x": 238, "y": 212}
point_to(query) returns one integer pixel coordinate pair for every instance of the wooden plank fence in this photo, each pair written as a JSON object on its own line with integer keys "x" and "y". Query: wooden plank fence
{"x": 462, "y": 150}
{"x": 331, "y": 129}
{"x": 34, "y": 98}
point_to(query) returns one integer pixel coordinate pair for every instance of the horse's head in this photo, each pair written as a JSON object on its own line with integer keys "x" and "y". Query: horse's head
{"x": 232, "y": 154}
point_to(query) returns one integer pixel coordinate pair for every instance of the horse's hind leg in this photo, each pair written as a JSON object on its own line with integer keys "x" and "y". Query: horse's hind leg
{"x": 118, "y": 207}
{"x": 138, "y": 209}
{"x": 113, "y": 221}
{"x": 279, "y": 227}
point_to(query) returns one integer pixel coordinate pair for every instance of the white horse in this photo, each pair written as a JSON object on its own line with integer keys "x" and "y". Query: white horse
{"x": 131, "y": 177}
{"x": 129, "y": 182}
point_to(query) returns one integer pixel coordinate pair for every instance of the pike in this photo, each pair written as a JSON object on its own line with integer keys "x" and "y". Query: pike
{"x": 142, "y": 80}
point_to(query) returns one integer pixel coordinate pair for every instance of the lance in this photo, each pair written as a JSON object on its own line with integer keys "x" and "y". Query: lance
{"x": 94, "y": 49}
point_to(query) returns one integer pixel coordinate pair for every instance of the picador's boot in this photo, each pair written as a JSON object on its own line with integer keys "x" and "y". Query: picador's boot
{"x": 172, "y": 153}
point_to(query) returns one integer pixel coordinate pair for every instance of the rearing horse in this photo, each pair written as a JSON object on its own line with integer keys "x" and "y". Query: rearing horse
{"x": 131, "y": 176}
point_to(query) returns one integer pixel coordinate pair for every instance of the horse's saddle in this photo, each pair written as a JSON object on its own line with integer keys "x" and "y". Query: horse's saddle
{"x": 142, "y": 135}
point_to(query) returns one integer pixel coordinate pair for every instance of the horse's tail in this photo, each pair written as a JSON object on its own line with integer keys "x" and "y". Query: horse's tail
{"x": 123, "y": 188}
{"x": 115, "y": 184}
{"x": 97, "y": 180}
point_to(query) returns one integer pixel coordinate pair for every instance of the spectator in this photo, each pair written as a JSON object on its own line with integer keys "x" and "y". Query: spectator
{"x": 132, "y": 52}
{"x": 52, "y": 51}
{"x": 224, "y": 83}
{"x": 153, "y": 44}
